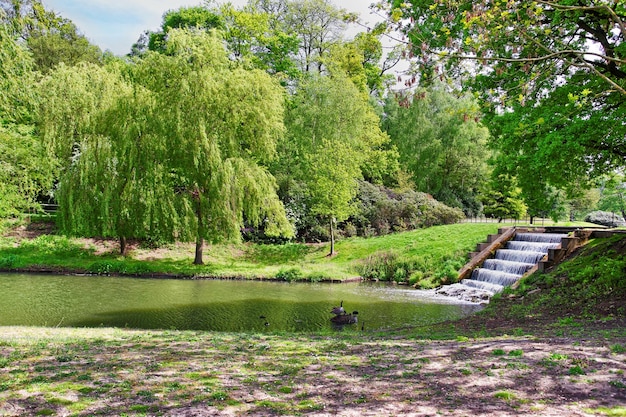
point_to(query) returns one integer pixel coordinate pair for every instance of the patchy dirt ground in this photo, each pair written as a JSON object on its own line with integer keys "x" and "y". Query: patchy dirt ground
{"x": 127, "y": 373}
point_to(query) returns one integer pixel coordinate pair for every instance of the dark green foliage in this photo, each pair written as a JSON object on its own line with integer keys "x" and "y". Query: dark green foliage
{"x": 383, "y": 211}
{"x": 442, "y": 143}
{"x": 183, "y": 18}
{"x": 556, "y": 112}
{"x": 502, "y": 199}
{"x": 8, "y": 262}
{"x": 380, "y": 266}
{"x": 50, "y": 38}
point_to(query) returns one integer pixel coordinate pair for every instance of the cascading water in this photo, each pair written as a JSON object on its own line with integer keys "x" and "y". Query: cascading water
{"x": 523, "y": 252}
{"x": 529, "y": 257}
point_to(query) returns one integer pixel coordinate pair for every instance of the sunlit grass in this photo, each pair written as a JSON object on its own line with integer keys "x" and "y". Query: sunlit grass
{"x": 427, "y": 249}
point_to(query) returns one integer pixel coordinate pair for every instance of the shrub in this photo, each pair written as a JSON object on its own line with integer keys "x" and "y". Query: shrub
{"x": 605, "y": 218}
{"x": 317, "y": 277}
{"x": 379, "y": 266}
{"x": 291, "y": 274}
{"x": 383, "y": 211}
{"x": 8, "y": 262}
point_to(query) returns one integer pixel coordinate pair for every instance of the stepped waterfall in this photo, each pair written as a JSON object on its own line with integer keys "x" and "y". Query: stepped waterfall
{"x": 509, "y": 264}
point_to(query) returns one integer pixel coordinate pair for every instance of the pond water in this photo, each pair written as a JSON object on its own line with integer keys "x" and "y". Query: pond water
{"x": 239, "y": 306}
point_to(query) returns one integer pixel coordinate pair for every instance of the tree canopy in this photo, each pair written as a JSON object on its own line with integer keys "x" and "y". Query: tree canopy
{"x": 169, "y": 147}
{"x": 442, "y": 143}
{"x": 552, "y": 73}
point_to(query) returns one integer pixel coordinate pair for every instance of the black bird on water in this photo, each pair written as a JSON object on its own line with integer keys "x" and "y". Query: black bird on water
{"x": 345, "y": 318}
{"x": 338, "y": 310}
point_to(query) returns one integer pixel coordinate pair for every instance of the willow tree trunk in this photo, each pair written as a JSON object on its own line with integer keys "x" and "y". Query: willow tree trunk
{"x": 332, "y": 238}
{"x": 199, "y": 248}
{"x": 123, "y": 246}
{"x": 199, "y": 233}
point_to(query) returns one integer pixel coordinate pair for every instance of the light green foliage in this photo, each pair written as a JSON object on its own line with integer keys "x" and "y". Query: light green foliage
{"x": 183, "y": 18}
{"x": 168, "y": 148}
{"x": 613, "y": 195}
{"x": 251, "y": 34}
{"x": 50, "y": 38}
{"x": 441, "y": 143}
{"x": 328, "y": 141}
{"x": 318, "y": 24}
{"x": 17, "y": 97}
{"x": 223, "y": 121}
{"x": 25, "y": 169}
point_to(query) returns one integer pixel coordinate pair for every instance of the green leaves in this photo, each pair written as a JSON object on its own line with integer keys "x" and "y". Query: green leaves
{"x": 166, "y": 148}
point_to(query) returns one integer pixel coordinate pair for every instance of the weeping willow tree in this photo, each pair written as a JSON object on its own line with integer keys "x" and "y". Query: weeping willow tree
{"x": 171, "y": 147}
{"x": 113, "y": 176}
{"x": 220, "y": 122}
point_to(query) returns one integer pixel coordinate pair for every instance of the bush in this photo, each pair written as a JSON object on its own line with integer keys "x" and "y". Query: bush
{"x": 289, "y": 275}
{"x": 8, "y": 262}
{"x": 605, "y": 218}
{"x": 383, "y": 211}
{"x": 317, "y": 277}
{"x": 380, "y": 266}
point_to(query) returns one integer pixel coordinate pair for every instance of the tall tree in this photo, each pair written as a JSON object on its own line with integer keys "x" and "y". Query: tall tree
{"x": 17, "y": 95}
{"x": 171, "y": 150}
{"x": 318, "y": 24}
{"x": 25, "y": 168}
{"x": 327, "y": 143}
{"x": 99, "y": 191}
{"x": 221, "y": 126}
{"x": 613, "y": 195}
{"x": 442, "y": 143}
{"x": 51, "y": 38}
{"x": 557, "y": 68}
{"x": 502, "y": 199}
{"x": 183, "y": 18}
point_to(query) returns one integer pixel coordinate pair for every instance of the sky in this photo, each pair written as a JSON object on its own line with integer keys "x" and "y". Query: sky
{"x": 115, "y": 25}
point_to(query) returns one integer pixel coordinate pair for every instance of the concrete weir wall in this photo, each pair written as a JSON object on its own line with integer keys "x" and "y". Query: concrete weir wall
{"x": 576, "y": 237}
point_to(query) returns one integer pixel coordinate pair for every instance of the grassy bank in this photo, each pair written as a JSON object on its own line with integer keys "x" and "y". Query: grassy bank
{"x": 111, "y": 372}
{"x": 433, "y": 253}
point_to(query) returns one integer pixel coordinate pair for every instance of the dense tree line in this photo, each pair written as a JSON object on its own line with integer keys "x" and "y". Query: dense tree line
{"x": 551, "y": 78}
{"x": 266, "y": 119}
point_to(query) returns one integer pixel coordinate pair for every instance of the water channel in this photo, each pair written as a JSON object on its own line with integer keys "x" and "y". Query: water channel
{"x": 238, "y": 306}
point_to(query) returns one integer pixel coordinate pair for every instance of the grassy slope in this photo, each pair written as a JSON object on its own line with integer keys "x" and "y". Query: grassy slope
{"x": 585, "y": 296}
{"x": 430, "y": 248}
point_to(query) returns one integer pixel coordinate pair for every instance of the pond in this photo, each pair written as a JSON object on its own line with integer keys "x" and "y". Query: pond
{"x": 237, "y": 306}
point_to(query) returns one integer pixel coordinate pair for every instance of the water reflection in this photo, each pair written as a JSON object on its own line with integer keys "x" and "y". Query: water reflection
{"x": 240, "y": 306}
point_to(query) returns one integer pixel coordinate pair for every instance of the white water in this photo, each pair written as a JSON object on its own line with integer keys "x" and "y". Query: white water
{"x": 511, "y": 263}
{"x": 482, "y": 285}
{"x": 511, "y": 267}
{"x": 530, "y": 257}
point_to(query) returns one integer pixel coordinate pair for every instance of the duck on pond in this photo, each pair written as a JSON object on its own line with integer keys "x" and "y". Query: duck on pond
{"x": 345, "y": 318}
{"x": 342, "y": 317}
{"x": 338, "y": 310}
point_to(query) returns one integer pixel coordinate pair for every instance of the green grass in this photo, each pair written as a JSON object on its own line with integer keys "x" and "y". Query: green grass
{"x": 611, "y": 412}
{"x": 433, "y": 252}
